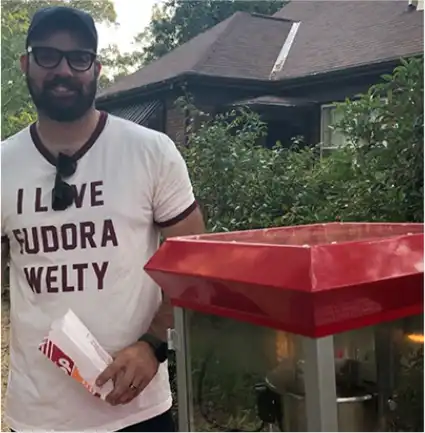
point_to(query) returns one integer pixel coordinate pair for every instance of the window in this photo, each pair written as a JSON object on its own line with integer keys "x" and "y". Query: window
{"x": 330, "y": 138}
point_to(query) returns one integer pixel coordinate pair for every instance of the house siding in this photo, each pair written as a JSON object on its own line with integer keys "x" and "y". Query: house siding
{"x": 175, "y": 122}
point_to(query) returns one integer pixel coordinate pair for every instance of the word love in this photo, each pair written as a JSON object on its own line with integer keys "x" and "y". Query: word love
{"x": 92, "y": 193}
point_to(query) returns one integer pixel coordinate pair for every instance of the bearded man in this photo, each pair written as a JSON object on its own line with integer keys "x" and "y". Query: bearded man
{"x": 85, "y": 199}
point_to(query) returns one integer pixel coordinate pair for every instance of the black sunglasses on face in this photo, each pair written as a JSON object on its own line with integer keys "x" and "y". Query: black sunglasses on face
{"x": 63, "y": 194}
{"x": 50, "y": 58}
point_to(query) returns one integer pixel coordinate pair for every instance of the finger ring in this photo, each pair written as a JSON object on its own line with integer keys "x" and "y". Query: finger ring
{"x": 134, "y": 388}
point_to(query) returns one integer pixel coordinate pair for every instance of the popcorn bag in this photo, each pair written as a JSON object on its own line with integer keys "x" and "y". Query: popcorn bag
{"x": 72, "y": 347}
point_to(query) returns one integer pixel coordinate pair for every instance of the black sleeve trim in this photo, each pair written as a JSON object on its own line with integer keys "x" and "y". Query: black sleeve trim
{"x": 4, "y": 239}
{"x": 178, "y": 218}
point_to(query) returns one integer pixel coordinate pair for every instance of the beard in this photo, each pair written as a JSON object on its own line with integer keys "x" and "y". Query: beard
{"x": 63, "y": 108}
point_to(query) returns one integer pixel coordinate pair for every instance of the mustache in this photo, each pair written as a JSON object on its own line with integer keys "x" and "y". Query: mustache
{"x": 63, "y": 81}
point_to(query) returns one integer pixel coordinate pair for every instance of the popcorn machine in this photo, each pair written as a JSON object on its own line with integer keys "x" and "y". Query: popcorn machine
{"x": 306, "y": 328}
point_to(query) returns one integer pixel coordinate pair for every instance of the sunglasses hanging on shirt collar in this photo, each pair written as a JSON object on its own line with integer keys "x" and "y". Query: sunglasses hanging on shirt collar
{"x": 63, "y": 194}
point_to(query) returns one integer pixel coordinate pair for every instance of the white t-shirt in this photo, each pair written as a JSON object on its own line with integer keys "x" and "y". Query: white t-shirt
{"x": 89, "y": 258}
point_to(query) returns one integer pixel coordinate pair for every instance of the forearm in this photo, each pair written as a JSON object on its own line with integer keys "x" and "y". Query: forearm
{"x": 163, "y": 319}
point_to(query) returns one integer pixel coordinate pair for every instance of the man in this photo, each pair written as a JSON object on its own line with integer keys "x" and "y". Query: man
{"x": 85, "y": 197}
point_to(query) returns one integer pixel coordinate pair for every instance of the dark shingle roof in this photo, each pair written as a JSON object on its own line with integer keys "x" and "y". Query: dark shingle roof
{"x": 342, "y": 34}
{"x": 332, "y": 35}
{"x": 242, "y": 46}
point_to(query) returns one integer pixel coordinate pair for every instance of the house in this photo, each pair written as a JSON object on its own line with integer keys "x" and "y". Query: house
{"x": 289, "y": 67}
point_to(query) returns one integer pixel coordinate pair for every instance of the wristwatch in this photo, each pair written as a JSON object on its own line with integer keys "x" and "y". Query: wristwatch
{"x": 159, "y": 347}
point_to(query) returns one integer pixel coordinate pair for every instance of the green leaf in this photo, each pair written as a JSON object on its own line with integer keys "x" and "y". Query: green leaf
{"x": 379, "y": 177}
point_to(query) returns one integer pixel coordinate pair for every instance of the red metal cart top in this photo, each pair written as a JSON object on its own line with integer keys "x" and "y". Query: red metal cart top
{"x": 313, "y": 280}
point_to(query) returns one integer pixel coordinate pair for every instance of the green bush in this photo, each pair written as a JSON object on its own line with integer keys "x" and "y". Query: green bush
{"x": 378, "y": 176}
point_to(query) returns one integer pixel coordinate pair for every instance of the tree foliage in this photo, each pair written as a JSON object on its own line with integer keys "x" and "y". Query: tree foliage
{"x": 378, "y": 176}
{"x": 17, "y": 109}
{"x": 175, "y": 22}
{"x": 116, "y": 64}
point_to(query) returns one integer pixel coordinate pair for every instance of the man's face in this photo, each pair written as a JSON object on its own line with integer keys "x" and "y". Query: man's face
{"x": 61, "y": 92}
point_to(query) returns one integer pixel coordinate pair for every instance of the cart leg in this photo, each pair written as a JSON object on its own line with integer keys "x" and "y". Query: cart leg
{"x": 386, "y": 368}
{"x": 319, "y": 383}
{"x": 184, "y": 382}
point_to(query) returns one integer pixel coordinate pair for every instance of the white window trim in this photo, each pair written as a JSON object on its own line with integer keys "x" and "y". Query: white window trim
{"x": 324, "y": 145}
{"x": 324, "y": 134}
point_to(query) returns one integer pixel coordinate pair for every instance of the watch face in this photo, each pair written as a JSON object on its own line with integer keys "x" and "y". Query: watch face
{"x": 162, "y": 352}
{"x": 159, "y": 347}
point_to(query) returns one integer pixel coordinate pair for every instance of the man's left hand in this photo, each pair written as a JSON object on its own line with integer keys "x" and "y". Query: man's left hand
{"x": 131, "y": 371}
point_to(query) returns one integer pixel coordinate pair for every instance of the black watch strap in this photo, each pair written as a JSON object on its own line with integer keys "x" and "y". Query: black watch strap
{"x": 159, "y": 347}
